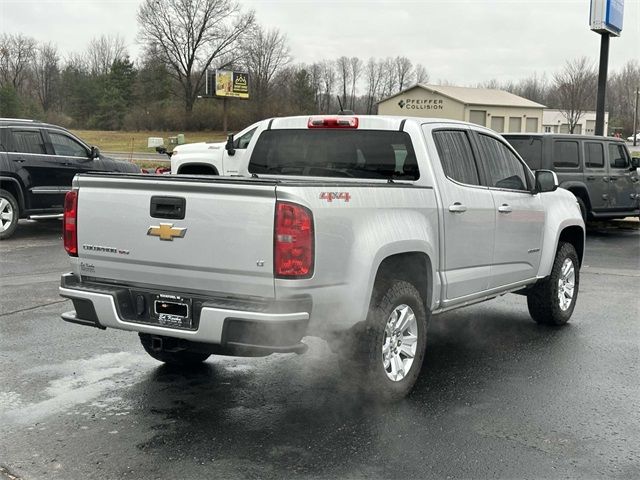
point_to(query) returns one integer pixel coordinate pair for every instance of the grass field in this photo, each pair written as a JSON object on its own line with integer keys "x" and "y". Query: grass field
{"x": 110, "y": 141}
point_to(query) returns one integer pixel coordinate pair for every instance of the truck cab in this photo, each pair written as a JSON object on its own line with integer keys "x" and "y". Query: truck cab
{"x": 214, "y": 158}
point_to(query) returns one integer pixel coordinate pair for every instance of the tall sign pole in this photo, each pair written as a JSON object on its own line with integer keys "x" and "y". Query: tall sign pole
{"x": 602, "y": 83}
{"x": 605, "y": 18}
{"x": 635, "y": 119}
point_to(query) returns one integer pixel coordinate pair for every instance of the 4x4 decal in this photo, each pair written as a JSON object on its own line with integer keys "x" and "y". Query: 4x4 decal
{"x": 331, "y": 196}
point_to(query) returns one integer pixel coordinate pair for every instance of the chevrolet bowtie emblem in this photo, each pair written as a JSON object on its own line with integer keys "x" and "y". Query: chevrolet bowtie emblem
{"x": 166, "y": 231}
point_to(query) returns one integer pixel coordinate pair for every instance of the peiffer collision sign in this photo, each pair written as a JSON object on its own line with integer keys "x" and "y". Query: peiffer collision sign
{"x": 421, "y": 104}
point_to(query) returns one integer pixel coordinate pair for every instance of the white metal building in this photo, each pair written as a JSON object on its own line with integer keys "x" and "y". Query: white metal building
{"x": 499, "y": 110}
{"x": 553, "y": 121}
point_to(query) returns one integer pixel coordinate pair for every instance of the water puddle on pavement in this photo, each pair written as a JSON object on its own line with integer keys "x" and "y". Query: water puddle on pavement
{"x": 78, "y": 382}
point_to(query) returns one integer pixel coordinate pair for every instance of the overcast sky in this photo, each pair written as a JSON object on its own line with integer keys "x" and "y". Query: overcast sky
{"x": 460, "y": 41}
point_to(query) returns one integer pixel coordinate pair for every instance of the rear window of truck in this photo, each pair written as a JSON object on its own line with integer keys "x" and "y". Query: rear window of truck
{"x": 380, "y": 154}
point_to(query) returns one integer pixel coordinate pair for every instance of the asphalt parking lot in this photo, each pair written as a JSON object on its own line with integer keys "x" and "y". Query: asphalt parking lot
{"x": 499, "y": 396}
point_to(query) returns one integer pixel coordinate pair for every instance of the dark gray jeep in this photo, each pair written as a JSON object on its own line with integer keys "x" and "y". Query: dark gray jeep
{"x": 599, "y": 171}
{"x": 37, "y": 164}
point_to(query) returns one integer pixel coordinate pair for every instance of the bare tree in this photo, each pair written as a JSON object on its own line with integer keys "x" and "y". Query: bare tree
{"x": 315, "y": 71}
{"x": 191, "y": 35}
{"x": 46, "y": 73}
{"x": 266, "y": 52}
{"x": 389, "y": 78}
{"x": 492, "y": 84}
{"x": 535, "y": 88}
{"x": 575, "y": 86}
{"x": 328, "y": 73}
{"x": 621, "y": 93}
{"x": 102, "y": 51}
{"x": 374, "y": 79}
{"x": 343, "y": 66}
{"x": 422, "y": 76}
{"x": 404, "y": 72}
{"x": 356, "y": 71}
{"x": 16, "y": 55}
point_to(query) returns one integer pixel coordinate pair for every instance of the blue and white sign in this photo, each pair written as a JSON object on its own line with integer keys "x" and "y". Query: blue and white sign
{"x": 606, "y": 16}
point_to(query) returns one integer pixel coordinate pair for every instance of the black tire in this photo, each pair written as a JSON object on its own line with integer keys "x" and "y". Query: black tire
{"x": 366, "y": 352}
{"x": 183, "y": 358}
{"x": 543, "y": 300}
{"x": 583, "y": 209}
{"x": 9, "y": 214}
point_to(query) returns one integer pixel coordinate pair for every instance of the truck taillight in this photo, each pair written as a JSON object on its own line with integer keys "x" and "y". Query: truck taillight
{"x": 69, "y": 225}
{"x": 293, "y": 243}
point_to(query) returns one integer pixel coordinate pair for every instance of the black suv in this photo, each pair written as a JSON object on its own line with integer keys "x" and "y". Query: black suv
{"x": 37, "y": 164}
{"x": 599, "y": 171}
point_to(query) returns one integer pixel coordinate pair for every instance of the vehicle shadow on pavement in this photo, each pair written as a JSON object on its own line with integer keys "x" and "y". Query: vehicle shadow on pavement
{"x": 293, "y": 413}
{"x": 613, "y": 226}
{"x": 36, "y": 229}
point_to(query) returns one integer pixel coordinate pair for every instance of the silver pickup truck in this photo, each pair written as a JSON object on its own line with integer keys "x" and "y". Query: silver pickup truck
{"x": 355, "y": 229}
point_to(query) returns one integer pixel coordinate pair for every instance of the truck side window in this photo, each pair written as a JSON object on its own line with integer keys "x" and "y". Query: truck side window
{"x": 456, "y": 156}
{"x": 503, "y": 168}
{"x": 617, "y": 156}
{"x": 241, "y": 143}
{"x": 28, "y": 141}
{"x": 566, "y": 154}
{"x": 66, "y": 146}
{"x": 595, "y": 155}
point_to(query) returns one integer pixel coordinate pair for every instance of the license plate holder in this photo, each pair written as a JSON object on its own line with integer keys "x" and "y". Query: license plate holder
{"x": 173, "y": 311}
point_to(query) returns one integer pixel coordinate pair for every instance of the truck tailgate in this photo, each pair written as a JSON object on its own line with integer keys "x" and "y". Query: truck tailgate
{"x": 226, "y": 245}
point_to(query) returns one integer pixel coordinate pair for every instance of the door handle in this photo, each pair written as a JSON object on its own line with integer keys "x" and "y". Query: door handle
{"x": 168, "y": 207}
{"x": 504, "y": 208}
{"x": 605, "y": 179}
{"x": 19, "y": 160}
{"x": 591, "y": 177}
{"x": 613, "y": 179}
{"x": 457, "y": 208}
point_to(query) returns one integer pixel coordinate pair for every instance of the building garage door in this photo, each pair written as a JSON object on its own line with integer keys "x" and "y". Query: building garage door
{"x": 478, "y": 116}
{"x": 515, "y": 124}
{"x": 532, "y": 124}
{"x": 497, "y": 124}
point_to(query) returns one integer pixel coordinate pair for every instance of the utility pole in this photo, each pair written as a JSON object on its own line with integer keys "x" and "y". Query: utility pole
{"x": 635, "y": 119}
{"x": 602, "y": 82}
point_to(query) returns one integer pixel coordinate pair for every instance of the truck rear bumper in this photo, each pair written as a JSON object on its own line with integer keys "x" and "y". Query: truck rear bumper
{"x": 235, "y": 329}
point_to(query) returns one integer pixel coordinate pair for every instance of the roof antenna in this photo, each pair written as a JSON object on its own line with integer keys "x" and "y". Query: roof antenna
{"x": 343, "y": 112}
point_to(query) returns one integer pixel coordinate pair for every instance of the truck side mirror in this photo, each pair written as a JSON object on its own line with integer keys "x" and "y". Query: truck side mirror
{"x": 94, "y": 153}
{"x": 635, "y": 163}
{"x": 546, "y": 181}
{"x": 229, "y": 146}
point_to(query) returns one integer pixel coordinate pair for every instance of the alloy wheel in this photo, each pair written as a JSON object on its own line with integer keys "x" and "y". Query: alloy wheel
{"x": 400, "y": 342}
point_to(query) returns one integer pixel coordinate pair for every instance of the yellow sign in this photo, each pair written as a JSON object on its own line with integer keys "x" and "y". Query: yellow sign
{"x": 166, "y": 231}
{"x": 232, "y": 84}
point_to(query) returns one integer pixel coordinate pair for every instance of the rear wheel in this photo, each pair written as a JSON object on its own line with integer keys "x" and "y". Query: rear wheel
{"x": 583, "y": 209}
{"x": 155, "y": 348}
{"x": 389, "y": 350}
{"x": 552, "y": 301}
{"x": 9, "y": 214}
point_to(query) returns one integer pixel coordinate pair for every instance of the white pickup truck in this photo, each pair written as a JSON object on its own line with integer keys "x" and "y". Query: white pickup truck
{"x": 353, "y": 228}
